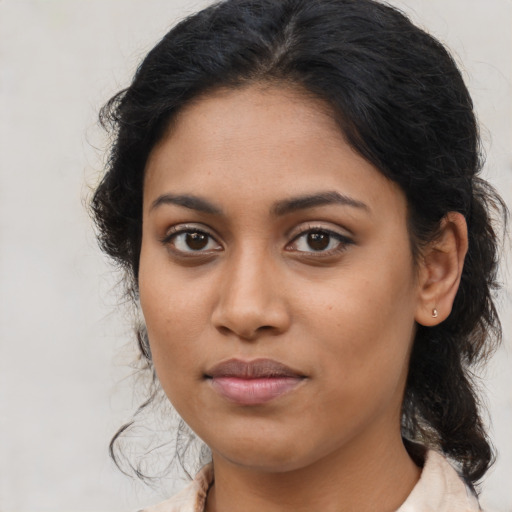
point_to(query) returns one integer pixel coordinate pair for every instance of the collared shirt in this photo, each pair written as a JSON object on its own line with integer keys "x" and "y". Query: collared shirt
{"x": 439, "y": 489}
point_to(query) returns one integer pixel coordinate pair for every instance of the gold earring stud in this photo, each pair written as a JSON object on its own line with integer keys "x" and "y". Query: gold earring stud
{"x": 434, "y": 313}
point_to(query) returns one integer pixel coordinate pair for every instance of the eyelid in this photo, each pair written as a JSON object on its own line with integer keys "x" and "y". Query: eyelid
{"x": 344, "y": 240}
{"x": 178, "y": 229}
{"x": 327, "y": 227}
{"x": 295, "y": 234}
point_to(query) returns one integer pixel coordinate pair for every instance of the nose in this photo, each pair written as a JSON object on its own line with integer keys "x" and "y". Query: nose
{"x": 252, "y": 298}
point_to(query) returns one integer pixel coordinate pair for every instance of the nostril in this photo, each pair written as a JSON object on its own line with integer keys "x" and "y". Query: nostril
{"x": 246, "y": 333}
{"x": 223, "y": 329}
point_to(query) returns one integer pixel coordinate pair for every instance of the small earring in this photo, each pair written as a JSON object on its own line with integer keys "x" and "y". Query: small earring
{"x": 434, "y": 313}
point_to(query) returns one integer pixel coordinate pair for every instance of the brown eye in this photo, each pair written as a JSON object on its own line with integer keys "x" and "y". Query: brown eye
{"x": 196, "y": 241}
{"x": 318, "y": 241}
{"x": 192, "y": 241}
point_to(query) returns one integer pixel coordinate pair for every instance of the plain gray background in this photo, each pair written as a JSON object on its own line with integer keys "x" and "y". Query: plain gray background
{"x": 63, "y": 355}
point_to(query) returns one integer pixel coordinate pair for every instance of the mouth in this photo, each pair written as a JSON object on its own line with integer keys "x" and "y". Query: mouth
{"x": 253, "y": 382}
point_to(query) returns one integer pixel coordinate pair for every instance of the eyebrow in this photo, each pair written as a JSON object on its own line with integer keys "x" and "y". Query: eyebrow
{"x": 187, "y": 201}
{"x": 280, "y": 208}
{"x": 319, "y": 199}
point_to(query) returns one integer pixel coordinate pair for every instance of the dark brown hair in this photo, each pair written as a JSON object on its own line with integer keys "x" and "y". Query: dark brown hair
{"x": 401, "y": 103}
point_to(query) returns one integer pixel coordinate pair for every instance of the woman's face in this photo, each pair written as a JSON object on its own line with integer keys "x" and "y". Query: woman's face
{"x": 276, "y": 281}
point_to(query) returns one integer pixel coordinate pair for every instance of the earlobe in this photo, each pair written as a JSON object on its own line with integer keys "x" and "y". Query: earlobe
{"x": 441, "y": 269}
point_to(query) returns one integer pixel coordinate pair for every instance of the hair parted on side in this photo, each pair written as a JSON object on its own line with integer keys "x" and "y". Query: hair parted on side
{"x": 400, "y": 102}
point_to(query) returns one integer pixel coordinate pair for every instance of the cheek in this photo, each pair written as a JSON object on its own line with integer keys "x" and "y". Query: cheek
{"x": 173, "y": 329}
{"x": 365, "y": 324}
{"x": 174, "y": 312}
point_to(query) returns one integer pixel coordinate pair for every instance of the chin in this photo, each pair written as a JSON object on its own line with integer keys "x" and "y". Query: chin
{"x": 266, "y": 453}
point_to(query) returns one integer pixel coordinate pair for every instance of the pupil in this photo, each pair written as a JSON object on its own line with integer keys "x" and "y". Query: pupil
{"x": 197, "y": 241}
{"x": 318, "y": 241}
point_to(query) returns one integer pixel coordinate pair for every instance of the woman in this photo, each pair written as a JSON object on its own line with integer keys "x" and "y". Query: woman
{"x": 293, "y": 191}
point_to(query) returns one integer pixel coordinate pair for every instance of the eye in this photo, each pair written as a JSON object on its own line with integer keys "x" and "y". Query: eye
{"x": 191, "y": 240}
{"x": 319, "y": 241}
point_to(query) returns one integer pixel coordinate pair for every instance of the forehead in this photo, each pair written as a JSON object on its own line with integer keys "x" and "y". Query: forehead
{"x": 261, "y": 143}
{"x": 261, "y": 118}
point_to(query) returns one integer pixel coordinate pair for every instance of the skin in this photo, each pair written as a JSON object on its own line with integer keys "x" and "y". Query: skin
{"x": 344, "y": 317}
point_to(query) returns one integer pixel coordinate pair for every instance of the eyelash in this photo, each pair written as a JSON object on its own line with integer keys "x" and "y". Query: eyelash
{"x": 176, "y": 231}
{"x": 343, "y": 241}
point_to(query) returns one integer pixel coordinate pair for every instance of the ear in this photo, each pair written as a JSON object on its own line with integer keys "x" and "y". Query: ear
{"x": 440, "y": 270}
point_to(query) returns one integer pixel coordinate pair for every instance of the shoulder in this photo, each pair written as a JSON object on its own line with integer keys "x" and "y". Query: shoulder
{"x": 440, "y": 489}
{"x": 191, "y": 498}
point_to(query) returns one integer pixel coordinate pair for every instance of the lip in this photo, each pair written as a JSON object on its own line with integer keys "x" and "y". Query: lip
{"x": 253, "y": 382}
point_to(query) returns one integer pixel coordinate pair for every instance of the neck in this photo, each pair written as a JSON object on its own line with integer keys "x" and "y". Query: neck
{"x": 366, "y": 477}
